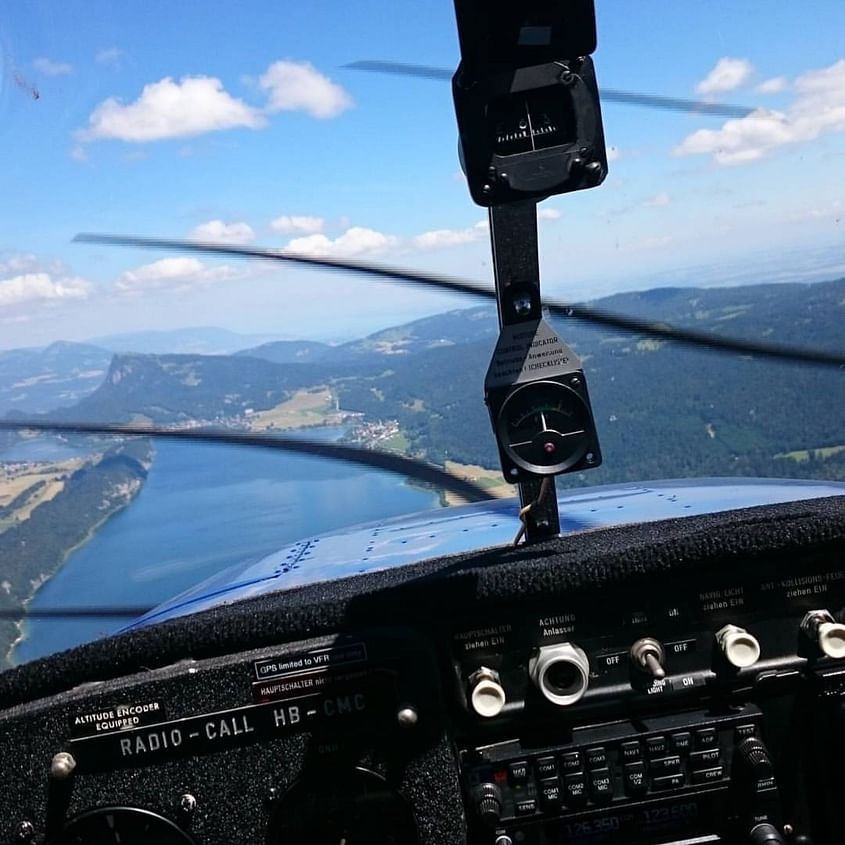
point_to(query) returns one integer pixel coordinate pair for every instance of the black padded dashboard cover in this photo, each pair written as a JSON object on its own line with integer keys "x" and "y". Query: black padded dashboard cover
{"x": 444, "y": 588}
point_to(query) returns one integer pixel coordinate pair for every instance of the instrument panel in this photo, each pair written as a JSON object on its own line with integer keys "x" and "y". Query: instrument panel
{"x": 697, "y": 705}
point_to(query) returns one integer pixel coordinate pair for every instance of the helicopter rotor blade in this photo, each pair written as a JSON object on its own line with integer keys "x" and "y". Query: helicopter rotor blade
{"x": 583, "y": 313}
{"x": 386, "y": 461}
{"x": 627, "y": 98}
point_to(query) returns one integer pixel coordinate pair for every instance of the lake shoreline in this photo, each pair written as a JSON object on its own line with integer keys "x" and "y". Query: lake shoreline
{"x": 44, "y": 578}
{"x": 103, "y": 486}
{"x": 204, "y": 508}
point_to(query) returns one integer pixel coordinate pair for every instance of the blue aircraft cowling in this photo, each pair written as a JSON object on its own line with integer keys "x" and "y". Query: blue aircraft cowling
{"x": 403, "y": 540}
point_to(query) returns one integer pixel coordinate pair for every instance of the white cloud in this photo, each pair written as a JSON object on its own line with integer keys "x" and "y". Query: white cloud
{"x": 173, "y": 274}
{"x": 287, "y": 225}
{"x": 773, "y": 86}
{"x": 831, "y": 211}
{"x": 217, "y": 231}
{"x": 658, "y": 200}
{"x": 548, "y": 214}
{"x": 353, "y": 242}
{"x": 450, "y": 237}
{"x": 50, "y": 68}
{"x": 42, "y": 287}
{"x": 168, "y": 109}
{"x": 78, "y": 153}
{"x": 298, "y": 86}
{"x": 656, "y": 242}
{"x": 18, "y": 263}
{"x": 110, "y": 56}
{"x": 818, "y": 109}
{"x": 725, "y": 76}
{"x": 17, "y": 318}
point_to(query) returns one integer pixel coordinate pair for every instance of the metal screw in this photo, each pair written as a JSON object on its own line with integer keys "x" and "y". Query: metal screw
{"x": 590, "y": 458}
{"x": 187, "y": 804}
{"x": 788, "y": 829}
{"x": 522, "y": 305}
{"x": 514, "y": 472}
{"x": 485, "y": 188}
{"x": 272, "y": 794}
{"x": 503, "y": 177}
{"x": 407, "y": 716}
{"x": 62, "y": 766}
{"x": 575, "y": 381}
{"x": 26, "y": 830}
{"x": 567, "y": 77}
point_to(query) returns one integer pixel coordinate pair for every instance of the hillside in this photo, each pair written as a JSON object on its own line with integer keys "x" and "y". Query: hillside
{"x": 35, "y": 541}
{"x": 443, "y": 330}
{"x": 662, "y": 410}
{"x": 38, "y": 380}
{"x": 178, "y": 388}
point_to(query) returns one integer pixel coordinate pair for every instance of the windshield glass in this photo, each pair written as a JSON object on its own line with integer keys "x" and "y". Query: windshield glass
{"x": 242, "y": 125}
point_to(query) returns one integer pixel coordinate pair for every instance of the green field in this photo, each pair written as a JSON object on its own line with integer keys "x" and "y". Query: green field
{"x": 803, "y": 455}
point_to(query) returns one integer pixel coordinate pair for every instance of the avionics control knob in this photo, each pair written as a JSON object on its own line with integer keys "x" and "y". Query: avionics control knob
{"x": 829, "y": 636}
{"x": 766, "y": 834}
{"x": 487, "y": 798}
{"x": 740, "y": 648}
{"x": 648, "y": 655}
{"x": 487, "y": 696}
{"x": 756, "y": 758}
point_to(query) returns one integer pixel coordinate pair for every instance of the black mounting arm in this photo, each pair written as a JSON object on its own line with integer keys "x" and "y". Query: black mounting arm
{"x": 513, "y": 235}
{"x": 530, "y": 126}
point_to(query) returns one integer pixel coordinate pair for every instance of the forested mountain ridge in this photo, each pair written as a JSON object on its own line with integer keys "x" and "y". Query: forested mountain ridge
{"x": 38, "y": 380}
{"x": 447, "y": 329}
{"x": 662, "y": 410}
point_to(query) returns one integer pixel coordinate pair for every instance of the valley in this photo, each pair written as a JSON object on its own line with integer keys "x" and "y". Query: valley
{"x": 662, "y": 411}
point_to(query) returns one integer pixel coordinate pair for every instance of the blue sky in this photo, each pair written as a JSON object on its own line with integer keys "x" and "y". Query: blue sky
{"x": 238, "y": 122}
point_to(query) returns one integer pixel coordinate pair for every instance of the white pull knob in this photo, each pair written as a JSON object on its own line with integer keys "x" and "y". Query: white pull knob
{"x": 739, "y": 647}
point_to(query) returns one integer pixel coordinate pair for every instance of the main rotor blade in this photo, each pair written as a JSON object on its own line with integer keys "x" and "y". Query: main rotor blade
{"x": 387, "y": 461}
{"x": 584, "y": 313}
{"x": 611, "y": 95}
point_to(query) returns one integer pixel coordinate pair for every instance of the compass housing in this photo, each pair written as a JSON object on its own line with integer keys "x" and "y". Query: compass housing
{"x": 545, "y": 428}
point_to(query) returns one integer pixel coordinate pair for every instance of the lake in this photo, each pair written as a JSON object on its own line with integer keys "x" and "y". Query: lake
{"x": 202, "y": 508}
{"x": 42, "y": 449}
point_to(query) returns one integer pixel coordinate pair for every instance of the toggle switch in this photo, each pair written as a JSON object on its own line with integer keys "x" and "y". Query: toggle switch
{"x": 648, "y": 655}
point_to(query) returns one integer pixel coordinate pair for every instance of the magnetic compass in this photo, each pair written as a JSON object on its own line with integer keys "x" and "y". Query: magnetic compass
{"x": 344, "y": 808}
{"x": 546, "y": 428}
{"x": 122, "y": 826}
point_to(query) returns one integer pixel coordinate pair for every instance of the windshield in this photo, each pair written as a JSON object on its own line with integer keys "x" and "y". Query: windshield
{"x": 242, "y": 125}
